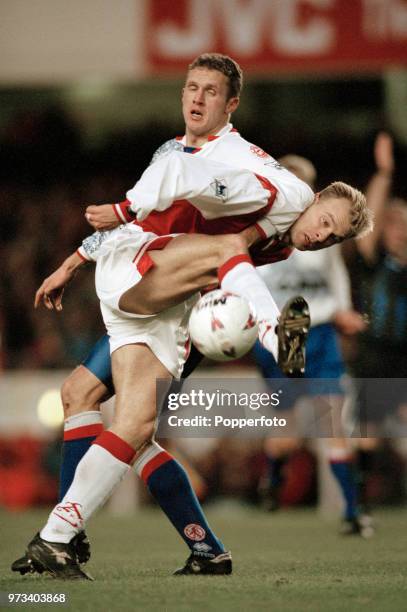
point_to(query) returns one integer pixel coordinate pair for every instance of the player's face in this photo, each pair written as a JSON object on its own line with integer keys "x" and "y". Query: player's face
{"x": 323, "y": 224}
{"x": 205, "y": 104}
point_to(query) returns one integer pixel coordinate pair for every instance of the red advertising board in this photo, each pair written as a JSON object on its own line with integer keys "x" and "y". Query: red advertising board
{"x": 279, "y": 35}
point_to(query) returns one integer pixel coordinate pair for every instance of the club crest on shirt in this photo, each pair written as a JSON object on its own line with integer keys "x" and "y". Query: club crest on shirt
{"x": 258, "y": 151}
{"x": 220, "y": 189}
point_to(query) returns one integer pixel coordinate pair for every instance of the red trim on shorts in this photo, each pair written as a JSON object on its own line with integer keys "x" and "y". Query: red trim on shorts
{"x": 343, "y": 460}
{"x": 143, "y": 260}
{"x": 86, "y": 431}
{"x": 81, "y": 256}
{"x": 116, "y": 446}
{"x": 144, "y": 264}
{"x": 231, "y": 263}
{"x": 159, "y": 243}
{"x": 261, "y": 231}
{"x": 154, "y": 464}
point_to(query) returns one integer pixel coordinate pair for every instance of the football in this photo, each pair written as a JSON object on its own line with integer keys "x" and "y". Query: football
{"x": 223, "y": 326}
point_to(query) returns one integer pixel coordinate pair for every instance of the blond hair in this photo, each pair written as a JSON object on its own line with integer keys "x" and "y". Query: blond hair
{"x": 361, "y": 217}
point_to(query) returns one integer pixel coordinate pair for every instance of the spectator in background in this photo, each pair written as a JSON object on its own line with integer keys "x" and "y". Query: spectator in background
{"x": 379, "y": 272}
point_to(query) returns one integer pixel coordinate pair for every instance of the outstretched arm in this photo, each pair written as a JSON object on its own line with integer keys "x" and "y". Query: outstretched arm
{"x": 378, "y": 192}
{"x": 51, "y": 291}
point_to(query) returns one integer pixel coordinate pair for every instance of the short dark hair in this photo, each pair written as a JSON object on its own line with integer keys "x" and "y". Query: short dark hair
{"x": 224, "y": 64}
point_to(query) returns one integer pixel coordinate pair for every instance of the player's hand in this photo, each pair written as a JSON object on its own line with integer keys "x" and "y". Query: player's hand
{"x": 102, "y": 217}
{"x": 349, "y": 322}
{"x": 383, "y": 153}
{"x": 51, "y": 291}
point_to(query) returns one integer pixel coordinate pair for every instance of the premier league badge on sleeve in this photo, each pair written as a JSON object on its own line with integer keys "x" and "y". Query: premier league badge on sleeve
{"x": 220, "y": 188}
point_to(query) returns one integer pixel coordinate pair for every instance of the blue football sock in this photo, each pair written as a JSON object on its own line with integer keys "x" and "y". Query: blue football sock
{"x": 345, "y": 476}
{"x": 80, "y": 431}
{"x": 169, "y": 485}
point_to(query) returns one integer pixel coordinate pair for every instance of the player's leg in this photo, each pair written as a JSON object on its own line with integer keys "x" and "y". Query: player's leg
{"x": 106, "y": 462}
{"x": 326, "y": 370}
{"x": 190, "y": 263}
{"x": 169, "y": 484}
{"x": 115, "y": 448}
{"x": 277, "y": 450}
{"x": 165, "y": 478}
{"x": 186, "y": 264}
{"x": 366, "y": 460}
{"x": 340, "y": 458}
{"x": 81, "y": 393}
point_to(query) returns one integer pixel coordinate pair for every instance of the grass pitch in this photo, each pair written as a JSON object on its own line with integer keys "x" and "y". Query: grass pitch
{"x": 291, "y": 561}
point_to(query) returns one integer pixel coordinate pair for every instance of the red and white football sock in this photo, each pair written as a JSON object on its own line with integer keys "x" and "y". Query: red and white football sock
{"x": 98, "y": 472}
{"x": 238, "y": 275}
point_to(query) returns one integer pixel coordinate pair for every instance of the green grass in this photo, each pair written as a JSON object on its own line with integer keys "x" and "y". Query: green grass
{"x": 290, "y": 561}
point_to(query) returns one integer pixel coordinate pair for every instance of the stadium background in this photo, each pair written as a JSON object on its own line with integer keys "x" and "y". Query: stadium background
{"x": 88, "y": 90}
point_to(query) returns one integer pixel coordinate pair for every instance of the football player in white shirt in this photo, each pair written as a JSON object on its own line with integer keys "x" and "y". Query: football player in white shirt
{"x": 129, "y": 440}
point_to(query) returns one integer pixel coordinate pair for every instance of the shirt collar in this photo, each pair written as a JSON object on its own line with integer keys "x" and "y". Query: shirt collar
{"x": 225, "y": 130}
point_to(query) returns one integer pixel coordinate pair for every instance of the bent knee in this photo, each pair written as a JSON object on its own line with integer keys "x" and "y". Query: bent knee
{"x": 82, "y": 391}
{"x": 230, "y": 245}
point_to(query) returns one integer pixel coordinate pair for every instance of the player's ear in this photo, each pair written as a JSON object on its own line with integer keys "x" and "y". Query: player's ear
{"x": 232, "y": 105}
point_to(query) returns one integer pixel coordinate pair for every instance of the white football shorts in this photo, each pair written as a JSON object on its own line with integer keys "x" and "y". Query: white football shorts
{"x": 122, "y": 262}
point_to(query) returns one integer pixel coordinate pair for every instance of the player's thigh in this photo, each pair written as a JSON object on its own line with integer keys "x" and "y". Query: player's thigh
{"x": 135, "y": 372}
{"x": 98, "y": 362}
{"x": 82, "y": 391}
{"x": 187, "y": 264}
